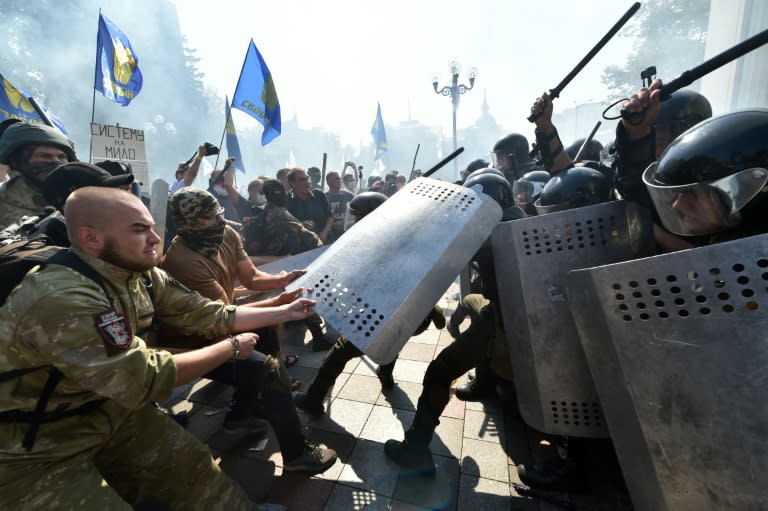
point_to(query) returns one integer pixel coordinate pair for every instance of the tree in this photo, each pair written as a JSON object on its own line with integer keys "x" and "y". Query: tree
{"x": 670, "y": 34}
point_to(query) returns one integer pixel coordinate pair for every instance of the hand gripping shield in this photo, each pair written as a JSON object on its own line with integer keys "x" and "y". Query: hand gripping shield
{"x": 677, "y": 347}
{"x": 378, "y": 281}
{"x": 533, "y": 257}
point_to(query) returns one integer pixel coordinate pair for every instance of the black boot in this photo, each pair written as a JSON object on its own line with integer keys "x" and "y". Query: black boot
{"x": 413, "y": 453}
{"x": 481, "y": 387}
{"x": 384, "y": 372}
{"x": 558, "y": 475}
{"x": 311, "y": 402}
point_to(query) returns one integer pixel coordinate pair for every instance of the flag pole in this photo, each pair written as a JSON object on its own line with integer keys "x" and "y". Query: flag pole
{"x": 93, "y": 100}
{"x": 226, "y": 121}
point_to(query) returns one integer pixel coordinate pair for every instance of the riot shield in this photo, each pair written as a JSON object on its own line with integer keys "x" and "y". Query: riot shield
{"x": 533, "y": 257}
{"x": 378, "y": 281}
{"x": 677, "y": 347}
{"x": 294, "y": 262}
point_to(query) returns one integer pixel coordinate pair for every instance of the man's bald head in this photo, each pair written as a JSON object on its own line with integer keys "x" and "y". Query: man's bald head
{"x": 99, "y": 209}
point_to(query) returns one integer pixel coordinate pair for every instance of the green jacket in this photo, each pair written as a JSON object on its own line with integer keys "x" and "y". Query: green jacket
{"x": 53, "y": 318}
{"x": 18, "y": 199}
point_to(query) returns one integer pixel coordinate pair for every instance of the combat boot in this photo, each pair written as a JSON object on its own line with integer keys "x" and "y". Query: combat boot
{"x": 306, "y": 403}
{"x": 563, "y": 475}
{"x": 384, "y": 372}
{"x": 413, "y": 453}
{"x": 482, "y": 386}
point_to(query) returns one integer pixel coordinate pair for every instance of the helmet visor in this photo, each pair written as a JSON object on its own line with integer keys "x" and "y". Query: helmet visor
{"x": 525, "y": 192}
{"x": 707, "y": 207}
{"x": 350, "y": 218}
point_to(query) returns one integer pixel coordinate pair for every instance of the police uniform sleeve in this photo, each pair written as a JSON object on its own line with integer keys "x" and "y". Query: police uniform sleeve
{"x": 187, "y": 311}
{"x": 57, "y": 322}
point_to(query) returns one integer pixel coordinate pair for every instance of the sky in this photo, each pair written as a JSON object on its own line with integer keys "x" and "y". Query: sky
{"x": 333, "y": 60}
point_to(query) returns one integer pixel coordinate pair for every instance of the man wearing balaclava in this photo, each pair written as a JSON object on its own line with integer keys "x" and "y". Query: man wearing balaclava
{"x": 31, "y": 151}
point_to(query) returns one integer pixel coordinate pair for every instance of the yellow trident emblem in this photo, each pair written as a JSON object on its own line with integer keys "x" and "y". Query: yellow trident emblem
{"x": 124, "y": 63}
{"x": 15, "y": 98}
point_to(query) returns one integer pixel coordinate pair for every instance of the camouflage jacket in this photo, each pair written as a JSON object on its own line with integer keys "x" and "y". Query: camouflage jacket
{"x": 59, "y": 317}
{"x": 18, "y": 199}
{"x": 275, "y": 231}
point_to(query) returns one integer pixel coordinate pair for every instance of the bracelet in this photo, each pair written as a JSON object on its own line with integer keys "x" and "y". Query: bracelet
{"x": 199, "y": 158}
{"x": 235, "y": 345}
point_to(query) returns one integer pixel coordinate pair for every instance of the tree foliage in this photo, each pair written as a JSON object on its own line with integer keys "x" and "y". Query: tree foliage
{"x": 669, "y": 34}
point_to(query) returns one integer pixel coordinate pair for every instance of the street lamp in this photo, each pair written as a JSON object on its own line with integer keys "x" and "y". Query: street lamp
{"x": 455, "y": 91}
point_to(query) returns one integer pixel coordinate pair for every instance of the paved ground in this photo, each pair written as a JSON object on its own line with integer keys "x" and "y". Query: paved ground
{"x": 477, "y": 445}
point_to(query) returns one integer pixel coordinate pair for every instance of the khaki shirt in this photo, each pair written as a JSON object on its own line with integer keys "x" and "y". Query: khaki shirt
{"x": 18, "y": 199}
{"x": 52, "y": 318}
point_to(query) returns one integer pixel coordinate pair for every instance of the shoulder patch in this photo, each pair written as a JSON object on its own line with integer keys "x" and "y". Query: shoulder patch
{"x": 114, "y": 330}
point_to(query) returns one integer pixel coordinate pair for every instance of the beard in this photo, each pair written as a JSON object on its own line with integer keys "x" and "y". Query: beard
{"x": 111, "y": 255}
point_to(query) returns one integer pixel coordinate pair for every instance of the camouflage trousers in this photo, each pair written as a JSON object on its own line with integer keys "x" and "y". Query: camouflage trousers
{"x": 148, "y": 454}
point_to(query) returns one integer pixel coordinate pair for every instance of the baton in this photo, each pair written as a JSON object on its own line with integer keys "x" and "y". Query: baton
{"x": 443, "y": 162}
{"x": 706, "y": 67}
{"x": 322, "y": 174}
{"x": 688, "y": 77}
{"x": 554, "y": 93}
{"x": 586, "y": 142}
{"x": 410, "y": 178}
{"x": 40, "y": 112}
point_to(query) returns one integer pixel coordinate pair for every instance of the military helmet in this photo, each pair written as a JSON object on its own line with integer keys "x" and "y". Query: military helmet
{"x": 22, "y": 134}
{"x": 683, "y": 110}
{"x": 713, "y": 176}
{"x": 573, "y": 188}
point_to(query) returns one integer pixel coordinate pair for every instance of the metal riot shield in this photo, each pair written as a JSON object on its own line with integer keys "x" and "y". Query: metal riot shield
{"x": 158, "y": 207}
{"x": 294, "y": 262}
{"x": 378, "y": 281}
{"x": 677, "y": 347}
{"x": 533, "y": 257}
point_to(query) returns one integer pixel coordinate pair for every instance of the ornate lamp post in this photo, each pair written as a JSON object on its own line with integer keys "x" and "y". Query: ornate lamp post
{"x": 455, "y": 90}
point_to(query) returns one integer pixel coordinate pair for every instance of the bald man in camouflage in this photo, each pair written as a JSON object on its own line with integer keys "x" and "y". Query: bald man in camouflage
{"x": 101, "y": 443}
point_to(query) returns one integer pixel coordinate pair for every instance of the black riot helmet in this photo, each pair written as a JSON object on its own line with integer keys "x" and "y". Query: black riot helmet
{"x": 681, "y": 111}
{"x": 490, "y": 182}
{"x": 361, "y": 205}
{"x": 528, "y": 188}
{"x": 713, "y": 177}
{"x": 473, "y": 166}
{"x": 511, "y": 155}
{"x": 573, "y": 188}
{"x": 592, "y": 152}
{"x": 486, "y": 170}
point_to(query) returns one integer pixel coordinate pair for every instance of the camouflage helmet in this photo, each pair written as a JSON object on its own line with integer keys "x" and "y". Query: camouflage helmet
{"x": 23, "y": 134}
{"x": 189, "y": 203}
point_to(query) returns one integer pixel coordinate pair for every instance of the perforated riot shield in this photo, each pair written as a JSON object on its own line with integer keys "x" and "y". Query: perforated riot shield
{"x": 378, "y": 281}
{"x": 533, "y": 257}
{"x": 294, "y": 262}
{"x": 677, "y": 347}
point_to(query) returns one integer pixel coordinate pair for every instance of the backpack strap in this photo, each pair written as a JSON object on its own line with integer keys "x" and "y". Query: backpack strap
{"x": 39, "y": 415}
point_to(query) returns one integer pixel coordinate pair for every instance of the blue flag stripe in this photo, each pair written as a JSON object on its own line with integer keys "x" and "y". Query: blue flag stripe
{"x": 379, "y": 135}
{"x": 233, "y": 146}
{"x": 15, "y": 105}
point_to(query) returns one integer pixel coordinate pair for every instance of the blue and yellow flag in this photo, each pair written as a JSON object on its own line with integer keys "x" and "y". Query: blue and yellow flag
{"x": 117, "y": 66}
{"x": 379, "y": 135}
{"x": 256, "y": 95}
{"x": 15, "y": 105}
{"x": 233, "y": 146}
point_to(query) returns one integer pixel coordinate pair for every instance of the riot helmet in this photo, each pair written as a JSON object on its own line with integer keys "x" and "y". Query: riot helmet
{"x": 473, "y": 166}
{"x": 573, "y": 188}
{"x": 592, "y": 152}
{"x": 681, "y": 111}
{"x": 510, "y": 155}
{"x": 528, "y": 188}
{"x": 713, "y": 177}
{"x": 362, "y": 204}
{"x": 493, "y": 185}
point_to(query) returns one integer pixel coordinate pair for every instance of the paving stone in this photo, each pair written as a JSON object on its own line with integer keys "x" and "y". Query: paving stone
{"x": 404, "y": 395}
{"x": 255, "y": 476}
{"x": 366, "y": 367}
{"x": 516, "y": 437}
{"x": 361, "y": 388}
{"x": 385, "y": 423}
{"x": 398, "y": 505}
{"x": 204, "y": 426}
{"x": 345, "y": 498}
{"x": 435, "y": 492}
{"x": 484, "y": 426}
{"x": 312, "y": 358}
{"x": 298, "y": 492}
{"x": 429, "y": 336}
{"x": 480, "y": 493}
{"x": 211, "y": 393}
{"x": 370, "y": 469}
{"x": 342, "y": 380}
{"x": 417, "y": 351}
{"x": 343, "y": 416}
{"x": 484, "y": 459}
{"x": 352, "y": 365}
{"x": 490, "y": 405}
{"x": 410, "y": 370}
{"x": 342, "y": 444}
{"x": 447, "y": 440}
{"x": 456, "y": 408}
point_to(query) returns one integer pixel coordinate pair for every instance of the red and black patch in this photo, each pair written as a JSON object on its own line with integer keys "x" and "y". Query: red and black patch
{"x": 115, "y": 331}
